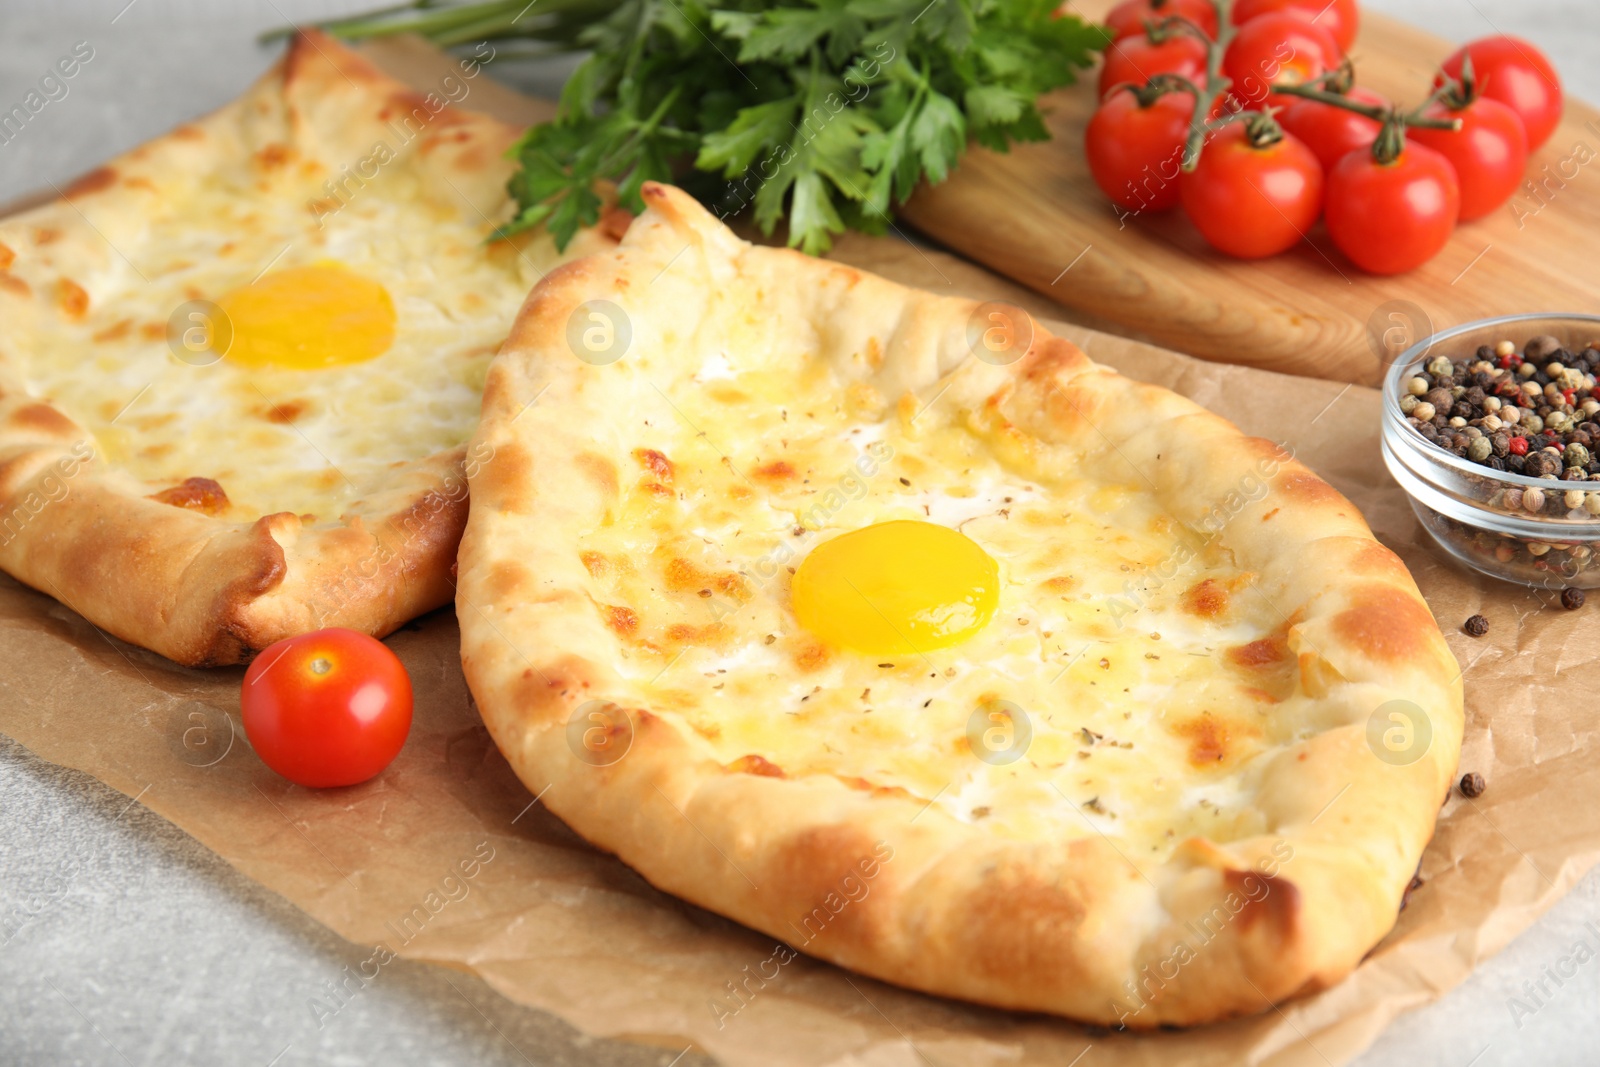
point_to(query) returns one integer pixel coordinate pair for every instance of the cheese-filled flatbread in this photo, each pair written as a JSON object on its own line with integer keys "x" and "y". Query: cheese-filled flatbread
{"x": 941, "y": 652}
{"x": 239, "y": 364}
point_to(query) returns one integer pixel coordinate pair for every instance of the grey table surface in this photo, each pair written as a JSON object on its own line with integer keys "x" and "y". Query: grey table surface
{"x": 123, "y": 940}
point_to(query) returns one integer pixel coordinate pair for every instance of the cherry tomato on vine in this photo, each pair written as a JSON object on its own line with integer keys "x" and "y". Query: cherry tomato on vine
{"x": 1340, "y": 18}
{"x": 1128, "y": 18}
{"x": 1517, "y": 74}
{"x": 1135, "y": 60}
{"x": 1252, "y": 201}
{"x": 1277, "y": 48}
{"x": 1392, "y": 217}
{"x": 1135, "y": 149}
{"x": 327, "y": 708}
{"x": 1489, "y": 152}
{"x": 1332, "y": 132}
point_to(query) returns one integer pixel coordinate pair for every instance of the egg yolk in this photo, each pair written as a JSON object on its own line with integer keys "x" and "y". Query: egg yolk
{"x": 308, "y": 318}
{"x": 895, "y": 588}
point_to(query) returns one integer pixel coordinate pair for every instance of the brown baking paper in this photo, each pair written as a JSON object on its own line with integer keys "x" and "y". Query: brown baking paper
{"x": 446, "y": 857}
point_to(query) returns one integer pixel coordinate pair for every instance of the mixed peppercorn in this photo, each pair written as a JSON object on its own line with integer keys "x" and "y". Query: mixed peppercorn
{"x": 1531, "y": 412}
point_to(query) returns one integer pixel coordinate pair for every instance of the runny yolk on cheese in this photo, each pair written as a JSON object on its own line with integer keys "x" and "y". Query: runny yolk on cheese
{"x": 895, "y": 588}
{"x": 306, "y": 318}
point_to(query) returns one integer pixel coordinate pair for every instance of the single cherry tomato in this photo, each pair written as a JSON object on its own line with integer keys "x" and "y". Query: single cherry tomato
{"x": 1251, "y": 200}
{"x": 1332, "y": 132}
{"x": 1391, "y": 217}
{"x": 1489, "y": 152}
{"x": 1135, "y": 60}
{"x": 1340, "y": 18}
{"x": 327, "y": 708}
{"x": 1128, "y": 18}
{"x": 1517, "y": 74}
{"x": 1275, "y": 49}
{"x": 1135, "y": 149}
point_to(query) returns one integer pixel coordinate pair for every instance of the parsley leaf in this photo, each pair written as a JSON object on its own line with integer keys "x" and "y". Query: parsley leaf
{"x": 820, "y": 113}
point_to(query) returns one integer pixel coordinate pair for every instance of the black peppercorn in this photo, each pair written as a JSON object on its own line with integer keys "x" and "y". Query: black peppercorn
{"x": 1572, "y": 599}
{"x": 1537, "y": 464}
{"x": 1473, "y": 785}
{"x": 1486, "y": 352}
{"x": 1516, "y": 464}
{"x": 1476, "y": 626}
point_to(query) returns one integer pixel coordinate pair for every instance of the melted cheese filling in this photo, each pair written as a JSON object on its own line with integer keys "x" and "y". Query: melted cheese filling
{"x": 361, "y": 344}
{"x": 1128, "y": 683}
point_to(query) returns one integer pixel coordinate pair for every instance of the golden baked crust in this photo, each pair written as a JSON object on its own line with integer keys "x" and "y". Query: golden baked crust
{"x": 876, "y": 877}
{"x": 166, "y": 564}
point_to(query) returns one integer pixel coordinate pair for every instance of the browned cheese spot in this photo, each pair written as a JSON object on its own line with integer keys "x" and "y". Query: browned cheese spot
{"x": 195, "y": 494}
{"x": 777, "y": 471}
{"x": 72, "y": 299}
{"x": 115, "y": 332}
{"x": 1208, "y": 739}
{"x": 811, "y": 656}
{"x": 1206, "y": 599}
{"x": 286, "y": 413}
{"x": 624, "y": 622}
{"x": 272, "y": 156}
{"x": 758, "y": 765}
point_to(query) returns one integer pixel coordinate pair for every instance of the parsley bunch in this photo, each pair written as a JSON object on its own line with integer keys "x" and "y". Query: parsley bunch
{"x": 824, "y": 112}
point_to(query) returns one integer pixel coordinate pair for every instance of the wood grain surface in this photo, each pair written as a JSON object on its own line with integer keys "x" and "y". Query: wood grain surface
{"x": 1035, "y": 215}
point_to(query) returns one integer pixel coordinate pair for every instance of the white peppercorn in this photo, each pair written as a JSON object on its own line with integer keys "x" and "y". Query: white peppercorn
{"x": 1493, "y": 404}
{"x": 1533, "y": 500}
{"x": 1424, "y": 412}
{"x": 1591, "y": 503}
{"x": 1574, "y": 498}
{"x": 1505, "y": 348}
{"x": 1417, "y": 386}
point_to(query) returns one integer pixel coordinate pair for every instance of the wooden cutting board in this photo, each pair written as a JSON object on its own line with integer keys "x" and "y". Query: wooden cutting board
{"x": 1035, "y": 215}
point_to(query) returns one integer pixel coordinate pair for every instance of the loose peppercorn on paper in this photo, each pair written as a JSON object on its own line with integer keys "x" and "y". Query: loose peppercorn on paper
{"x": 447, "y": 858}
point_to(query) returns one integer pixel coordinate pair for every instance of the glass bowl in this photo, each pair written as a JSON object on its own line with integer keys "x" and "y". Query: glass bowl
{"x": 1481, "y": 516}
